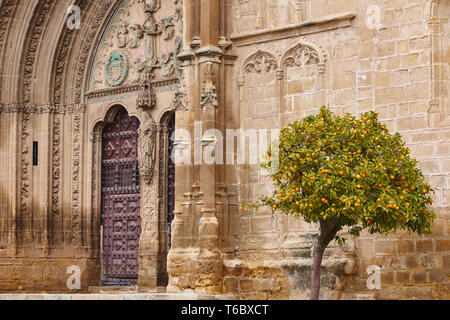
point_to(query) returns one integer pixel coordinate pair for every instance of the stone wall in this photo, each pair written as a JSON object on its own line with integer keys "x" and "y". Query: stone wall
{"x": 247, "y": 64}
{"x": 391, "y": 57}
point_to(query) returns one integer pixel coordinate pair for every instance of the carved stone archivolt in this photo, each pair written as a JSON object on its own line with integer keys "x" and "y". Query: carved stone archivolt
{"x": 66, "y": 41}
{"x": 41, "y": 14}
{"x": 105, "y": 6}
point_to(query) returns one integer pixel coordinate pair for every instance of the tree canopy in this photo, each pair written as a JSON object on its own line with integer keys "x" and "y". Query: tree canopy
{"x": 349, "y": 169}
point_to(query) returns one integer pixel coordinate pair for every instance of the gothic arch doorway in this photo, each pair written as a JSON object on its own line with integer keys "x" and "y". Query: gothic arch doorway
{"x": 120, "y": 197}
{"x": 166, "y": 193}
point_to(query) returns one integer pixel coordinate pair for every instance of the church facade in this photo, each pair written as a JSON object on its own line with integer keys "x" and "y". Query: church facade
{"x": 131, "y": 133}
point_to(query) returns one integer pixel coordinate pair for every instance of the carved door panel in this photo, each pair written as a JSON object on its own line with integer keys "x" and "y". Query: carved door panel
{"x": 120, "y": 201}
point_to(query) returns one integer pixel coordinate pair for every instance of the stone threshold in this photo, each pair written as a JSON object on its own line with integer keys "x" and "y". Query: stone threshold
{"x": 116, "y": 296}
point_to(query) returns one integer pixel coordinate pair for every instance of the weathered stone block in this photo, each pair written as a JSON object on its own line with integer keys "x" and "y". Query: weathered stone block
{"x": 424, "y": 245}
{"x": 442, "y": 245}
{"x": 405, "y": 246}
{"x": 389, "y": 293}
{"x": 385, "y": 246}
{"x": 437, "y": 276}
{"x": 419, "y": 277}
{"x": 403, "y": 276}
{"x": 423, "y": 293}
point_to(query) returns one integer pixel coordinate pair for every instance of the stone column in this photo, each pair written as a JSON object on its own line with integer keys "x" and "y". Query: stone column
{"x": 209, "y": 261}
{"x": 180, "y": 257}
{"x": 149, "y": 239}
{"x": 194, "y": 260}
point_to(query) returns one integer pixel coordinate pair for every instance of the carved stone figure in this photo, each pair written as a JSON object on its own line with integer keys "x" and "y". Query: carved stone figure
{"x": 151, "y": 27}
{"x": 168, "y": 29}
{"x": 147, "y": 98}
{"x": 147, "y": 151}
{"x": 151, "y": 5}
{"x": 178, "y": 100}
{"x": 122, "y": 35}
{"x": 136, "y": 30}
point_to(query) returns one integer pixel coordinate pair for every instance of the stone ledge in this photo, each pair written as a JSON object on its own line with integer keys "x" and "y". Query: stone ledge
{"x": 326, "y": 23}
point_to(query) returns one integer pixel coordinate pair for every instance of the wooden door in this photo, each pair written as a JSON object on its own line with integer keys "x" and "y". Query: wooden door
{"x": 121, "y": 196}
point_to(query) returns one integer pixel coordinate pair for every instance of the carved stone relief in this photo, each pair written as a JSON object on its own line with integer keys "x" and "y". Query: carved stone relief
{"x": 142, "y": 34}
{"x": 77, "y": 112}
{"x": 147, "y": 97}
{"x": 147, "y": 151}
{"x": 301, "y": 56}
{"x": 260, "y": 62}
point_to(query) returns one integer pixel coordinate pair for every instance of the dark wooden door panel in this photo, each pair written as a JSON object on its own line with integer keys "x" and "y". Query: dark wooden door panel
{"x": 120, "y": 201}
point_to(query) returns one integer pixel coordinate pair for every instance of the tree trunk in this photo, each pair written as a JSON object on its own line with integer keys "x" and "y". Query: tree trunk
{"x": 328, "y": 230}
{"x": 319, "y": 249}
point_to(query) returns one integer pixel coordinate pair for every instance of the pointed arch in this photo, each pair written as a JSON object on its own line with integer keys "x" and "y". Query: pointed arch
{"x": 261, "y": 61}
{"x": 305, "y": 53}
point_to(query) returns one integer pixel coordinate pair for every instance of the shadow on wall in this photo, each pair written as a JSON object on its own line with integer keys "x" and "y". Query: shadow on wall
{"x": 27, "y": 266}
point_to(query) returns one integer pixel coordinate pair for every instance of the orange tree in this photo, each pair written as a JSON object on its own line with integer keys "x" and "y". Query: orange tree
{"x": 346, "y": 172}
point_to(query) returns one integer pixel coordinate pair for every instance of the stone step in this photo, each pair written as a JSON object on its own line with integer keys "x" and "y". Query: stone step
{"x": 116, "y": 296}
{"x": 365, "y": 296}
{"x": 132, "y": 289}
{"x": 113, "y": 289}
